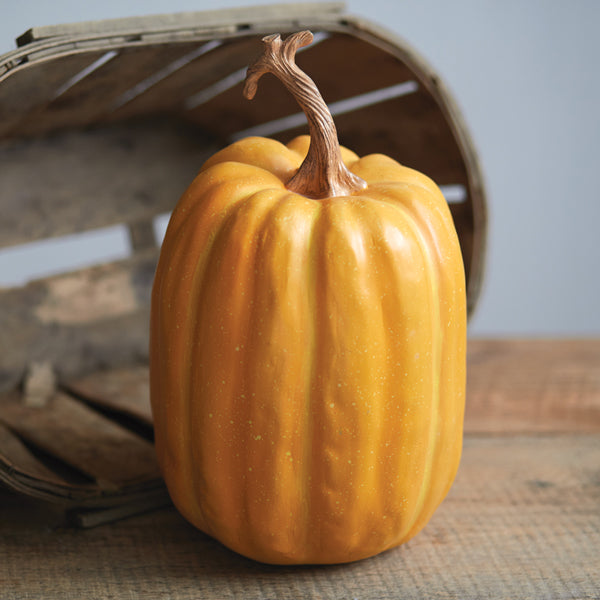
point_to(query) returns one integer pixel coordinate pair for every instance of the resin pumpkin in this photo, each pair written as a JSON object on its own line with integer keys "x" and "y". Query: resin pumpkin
{"x": 308, "y": 337}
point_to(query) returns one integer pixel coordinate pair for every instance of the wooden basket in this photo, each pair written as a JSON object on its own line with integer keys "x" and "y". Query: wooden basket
{"x": 106, "y": 123}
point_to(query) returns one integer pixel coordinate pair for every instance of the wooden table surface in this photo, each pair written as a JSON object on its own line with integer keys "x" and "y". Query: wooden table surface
{"x": 521, "y": 521}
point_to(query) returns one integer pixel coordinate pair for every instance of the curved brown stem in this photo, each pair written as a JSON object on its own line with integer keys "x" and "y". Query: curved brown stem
{"x": 323, "y": 173}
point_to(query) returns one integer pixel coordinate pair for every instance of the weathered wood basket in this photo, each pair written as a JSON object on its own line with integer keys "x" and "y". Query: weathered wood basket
{"x": 106, "y": 123}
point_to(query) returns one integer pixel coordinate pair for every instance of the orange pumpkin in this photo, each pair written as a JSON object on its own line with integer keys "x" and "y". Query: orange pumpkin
{"x": 308, "y": 338}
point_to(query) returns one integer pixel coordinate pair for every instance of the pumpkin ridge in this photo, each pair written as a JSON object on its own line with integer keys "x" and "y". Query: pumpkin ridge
{"x": 246, "y": 216}
{"x": 268, "y": 269}
{"x": 283, "y": 244}
{"x": 446, "y": 336}
{"x": 412, "y": 209}
{"x": 328, "y": 498}
{"x": 180, "y": 241}
{"x": 436, "y": 351}
{"x": 200, "y": 260}
{"x": 423, "y": 244}
{"x": 418, "y": 243}
{"x": 311, "y": 251}
{"x": 312, "y": 460}
{"x": 388, "y": 267}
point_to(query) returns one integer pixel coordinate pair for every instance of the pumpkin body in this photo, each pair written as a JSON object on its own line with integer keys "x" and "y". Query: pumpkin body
{"x": 308, "y": 356}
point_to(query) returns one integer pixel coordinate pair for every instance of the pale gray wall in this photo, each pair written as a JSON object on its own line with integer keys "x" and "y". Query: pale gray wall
{"x": 525, "y": 73}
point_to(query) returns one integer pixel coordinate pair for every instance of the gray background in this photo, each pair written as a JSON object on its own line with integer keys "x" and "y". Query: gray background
{"x": 525, "y": 74}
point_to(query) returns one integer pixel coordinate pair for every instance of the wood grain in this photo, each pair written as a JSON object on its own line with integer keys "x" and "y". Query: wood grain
{"x": 76, "y": 321}
{"x": 16, "y": 452}
{"x": 92, "y": 98}
{"x": 171, "y": 93}
{"x": 126, "y": 389}
{"x": 81, "y": 180}
{"x": 83, "y": 439}
{"x": 29, "y": 86}
{"x": 188, "y": 21}
{"x": 521, "y": 521}
{"x": 529, "y": 386}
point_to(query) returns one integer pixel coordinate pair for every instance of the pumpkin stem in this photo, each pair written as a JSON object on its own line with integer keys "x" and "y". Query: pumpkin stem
{"x": 323, "y": 173}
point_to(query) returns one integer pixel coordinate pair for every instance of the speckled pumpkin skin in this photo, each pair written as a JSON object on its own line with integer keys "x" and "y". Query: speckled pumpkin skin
{"x": 308, "y": 356}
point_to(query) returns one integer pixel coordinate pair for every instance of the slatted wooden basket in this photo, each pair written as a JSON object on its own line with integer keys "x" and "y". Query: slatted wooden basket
{"x": 106, "y": 123}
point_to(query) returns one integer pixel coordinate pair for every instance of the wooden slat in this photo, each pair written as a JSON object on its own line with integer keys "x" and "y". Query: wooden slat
{"x": 411, "y": 129}
{"x": 125, "y": 389}
{"x": 190, "y": 21}
{"x": 516, "y": 386}
{"x": 142, "y": 235}
{"x": 80, "y": 180}
{"x": 31, "y": 85}
{"x": 103, "y": 467}
{"x": 15, "y": 454}
{"x": 83, "y": 439}
{"x": 78, "y": 322}
{"x": 521, "y": 521}
{"x": 88, "y": 100}
{"x": 171, "y": 93}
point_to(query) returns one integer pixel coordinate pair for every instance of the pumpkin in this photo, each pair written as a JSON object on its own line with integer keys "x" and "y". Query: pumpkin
{"x": 308, "y": 337}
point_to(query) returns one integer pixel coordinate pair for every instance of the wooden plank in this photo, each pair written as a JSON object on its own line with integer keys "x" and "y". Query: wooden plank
{"x": 413, "y": 130}
{"x": 14, "y": 454}
{"x": 187, "y": 20}
{"x": 126, "y": 390}
{"x": 80, "y": 180}
{"x": 83, "y": 439}
{"x": 31, "y": 85}
{"x": 516, "y": 386}
{"x": 91, "y": 465}
{"x": 32, "y": 476}
{"x": 78, "y": 322}
{"x": 92, "y": 517}
{"x": 521, "y": 521}
{"x": 66, "y": 43}
{"x": 171, "y": 93}
{"x": 90, "y": 98}
{"x": 69, "y": 448}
